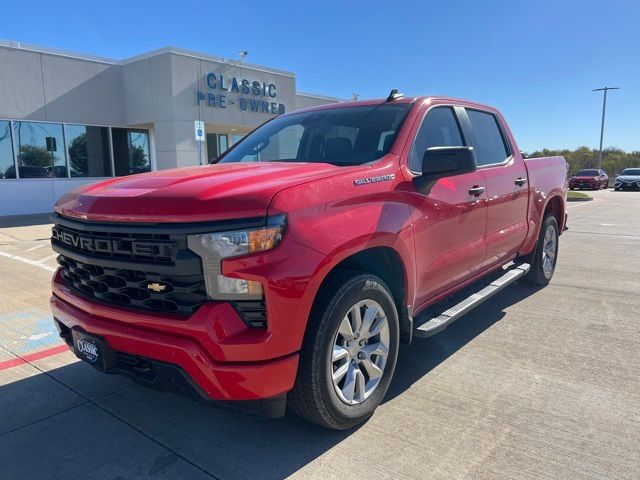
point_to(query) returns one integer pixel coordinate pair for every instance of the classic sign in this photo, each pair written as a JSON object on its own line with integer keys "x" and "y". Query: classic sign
{"x": 220, "y": 87}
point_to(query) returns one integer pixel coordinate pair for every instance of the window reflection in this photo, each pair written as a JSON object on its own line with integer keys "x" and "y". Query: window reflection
{"x": 130, "y": 151}
{"x": 7, "y": 169}
{"x": 88, "y": 150}
{"x": 40, "y": 149}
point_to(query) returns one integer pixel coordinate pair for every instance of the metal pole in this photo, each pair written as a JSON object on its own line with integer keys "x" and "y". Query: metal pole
{"x": 604, "y": 108}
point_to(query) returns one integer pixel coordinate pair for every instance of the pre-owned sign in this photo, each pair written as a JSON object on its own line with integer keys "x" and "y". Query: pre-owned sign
{"x": 248, "y": 95}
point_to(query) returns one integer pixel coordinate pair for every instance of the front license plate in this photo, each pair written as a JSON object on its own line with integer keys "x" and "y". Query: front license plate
{"x": 91, "y": 349}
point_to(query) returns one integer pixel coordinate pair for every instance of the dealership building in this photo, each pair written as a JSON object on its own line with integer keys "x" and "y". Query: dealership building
{"x": 67, "y": 119}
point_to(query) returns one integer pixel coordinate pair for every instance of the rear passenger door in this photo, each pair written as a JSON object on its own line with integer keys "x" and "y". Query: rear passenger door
{"x": 506, "y": 179}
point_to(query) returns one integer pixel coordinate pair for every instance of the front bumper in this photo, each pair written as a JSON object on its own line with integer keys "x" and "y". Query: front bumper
{"x": 202, "y": 349}
{"x": 627, "y": 185}
{"x": 585, "y": 184}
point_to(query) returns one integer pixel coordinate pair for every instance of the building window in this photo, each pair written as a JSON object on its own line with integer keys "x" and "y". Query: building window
{"x": 88, "y": 151}
{"x": 130, "y": 151}
{"x": 7, "y": 168}
{"x": 40, "y": 150}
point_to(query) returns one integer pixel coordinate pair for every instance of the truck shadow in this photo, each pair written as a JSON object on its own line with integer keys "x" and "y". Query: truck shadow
{"x": 423, "y": 355}
{"x": 104, "y": 418}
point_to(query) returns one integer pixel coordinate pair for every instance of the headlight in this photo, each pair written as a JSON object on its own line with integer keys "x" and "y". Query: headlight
{"x": 216, "y": 246}
{"x": 243, "y": 242}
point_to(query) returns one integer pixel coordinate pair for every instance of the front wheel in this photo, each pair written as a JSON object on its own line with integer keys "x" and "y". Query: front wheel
{"x": 545, "y": 255}
{"x": 349, "y": 352}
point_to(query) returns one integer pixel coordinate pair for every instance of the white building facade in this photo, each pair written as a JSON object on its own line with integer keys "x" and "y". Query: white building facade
{"x": 69, "y": 119}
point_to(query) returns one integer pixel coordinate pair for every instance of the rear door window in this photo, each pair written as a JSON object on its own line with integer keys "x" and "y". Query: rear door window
{"x": 489, "y": 143}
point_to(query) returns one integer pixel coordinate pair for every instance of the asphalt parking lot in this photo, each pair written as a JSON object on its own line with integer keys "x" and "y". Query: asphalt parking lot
{"x": 533, "y": 384}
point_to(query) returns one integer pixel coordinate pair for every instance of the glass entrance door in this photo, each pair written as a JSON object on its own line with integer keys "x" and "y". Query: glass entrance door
{"x": 217, "y": 144}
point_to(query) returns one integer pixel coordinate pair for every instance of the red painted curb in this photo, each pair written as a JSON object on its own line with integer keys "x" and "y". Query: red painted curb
{"x": 14, "y": 362}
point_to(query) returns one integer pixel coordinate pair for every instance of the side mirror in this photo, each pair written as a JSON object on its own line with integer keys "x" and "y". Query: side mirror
{"x": 440, "y": 162}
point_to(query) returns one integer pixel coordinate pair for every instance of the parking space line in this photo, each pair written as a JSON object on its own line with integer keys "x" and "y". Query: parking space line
{"x": 49, "y": 352}
{"x": 50, "y": 257}
{"x": 27, "y": 261}
{"x": 36, "y": 247}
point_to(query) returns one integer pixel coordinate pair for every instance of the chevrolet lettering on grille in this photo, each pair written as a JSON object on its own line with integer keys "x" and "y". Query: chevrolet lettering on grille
{"x": 105, "y": 245}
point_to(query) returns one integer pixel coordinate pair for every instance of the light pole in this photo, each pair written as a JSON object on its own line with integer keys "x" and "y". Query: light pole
{"x": 604, "y": 108}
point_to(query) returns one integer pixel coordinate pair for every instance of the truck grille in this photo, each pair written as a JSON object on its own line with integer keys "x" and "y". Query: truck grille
{"x": 154, "y": 247}
{"x": 138, "y": 289}
{"x": 142, "y": 266}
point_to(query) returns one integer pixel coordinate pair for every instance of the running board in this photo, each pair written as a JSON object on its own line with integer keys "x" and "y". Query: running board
{"x": 445, "y": 319}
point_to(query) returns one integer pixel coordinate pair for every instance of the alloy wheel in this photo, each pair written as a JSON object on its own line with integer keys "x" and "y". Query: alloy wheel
{"x": 360, "y": 351}
{"x": 549, "y": 251}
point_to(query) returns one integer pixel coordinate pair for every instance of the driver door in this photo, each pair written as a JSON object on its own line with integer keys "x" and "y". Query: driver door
{"x": 449, "y": 216}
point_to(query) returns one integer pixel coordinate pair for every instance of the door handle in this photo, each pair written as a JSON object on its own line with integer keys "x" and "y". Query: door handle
{"x": 476, "y": 190}
{"x": 520, "y": 181}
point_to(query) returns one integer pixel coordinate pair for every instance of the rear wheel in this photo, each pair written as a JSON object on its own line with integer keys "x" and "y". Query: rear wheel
{"x": 349, "y": 353}
{"x": 544, "y": 257}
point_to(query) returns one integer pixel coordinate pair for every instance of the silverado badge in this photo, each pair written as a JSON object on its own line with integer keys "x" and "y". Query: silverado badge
{"x": 381, "y": 178}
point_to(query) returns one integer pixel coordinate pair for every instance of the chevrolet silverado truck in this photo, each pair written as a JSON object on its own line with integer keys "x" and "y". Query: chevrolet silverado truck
{"x": 289, "y": 271}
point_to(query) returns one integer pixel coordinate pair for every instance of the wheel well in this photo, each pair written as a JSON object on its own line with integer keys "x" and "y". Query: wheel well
{"x": 382, "y": 262}
{"x": 385, "y": 263}
{"x": 555, "y": 208}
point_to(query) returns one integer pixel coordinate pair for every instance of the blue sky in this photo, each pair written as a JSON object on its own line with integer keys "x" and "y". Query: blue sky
{"x": 537, "y": 61}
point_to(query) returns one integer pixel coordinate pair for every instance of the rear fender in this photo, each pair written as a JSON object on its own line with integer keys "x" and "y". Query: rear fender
{"x": 538, "y": 205}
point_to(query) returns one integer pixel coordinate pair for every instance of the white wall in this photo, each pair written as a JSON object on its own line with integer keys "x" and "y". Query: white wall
{"x": 35, "y": 195}
{"x": 307, "y": 100}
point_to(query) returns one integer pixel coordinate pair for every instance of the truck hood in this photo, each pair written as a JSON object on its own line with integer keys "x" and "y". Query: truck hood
{"x": 194, "y": 194}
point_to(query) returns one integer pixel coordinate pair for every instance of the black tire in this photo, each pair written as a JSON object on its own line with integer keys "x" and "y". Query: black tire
{"x": 572, "y": 188}
{"x": 537, "y": 274}
{"x": 314, "y": 397}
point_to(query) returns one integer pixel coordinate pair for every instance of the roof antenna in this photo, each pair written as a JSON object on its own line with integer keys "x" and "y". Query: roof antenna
{"x": 394, "y": 95}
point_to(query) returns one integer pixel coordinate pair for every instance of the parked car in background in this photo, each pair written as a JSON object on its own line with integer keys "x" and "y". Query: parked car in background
{"x": 593, "y": 179}
{"x": 57, "y": 171}
{"x": 27, "y": 171}
{"x": 629, "y": 179}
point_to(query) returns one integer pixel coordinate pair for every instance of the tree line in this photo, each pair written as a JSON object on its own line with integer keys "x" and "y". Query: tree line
{"x": 614, "y": 160}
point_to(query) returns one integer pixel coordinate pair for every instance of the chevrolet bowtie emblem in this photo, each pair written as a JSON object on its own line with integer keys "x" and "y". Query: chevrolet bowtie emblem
{"x": 156, "y": 287}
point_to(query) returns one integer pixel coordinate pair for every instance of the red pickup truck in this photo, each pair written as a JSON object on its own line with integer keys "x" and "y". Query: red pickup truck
{"x": 290, "y": 271}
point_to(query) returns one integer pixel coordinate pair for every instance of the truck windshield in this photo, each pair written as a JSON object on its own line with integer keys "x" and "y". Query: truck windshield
{"x": 340, "y": 136}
